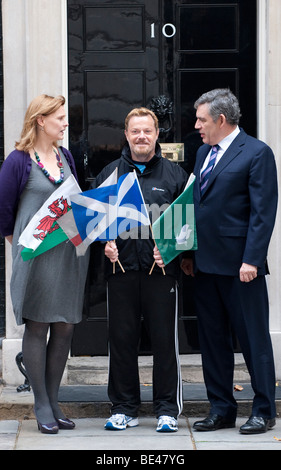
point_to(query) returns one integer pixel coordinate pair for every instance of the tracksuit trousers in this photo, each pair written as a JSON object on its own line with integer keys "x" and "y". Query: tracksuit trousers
{"x": 131, "y": 296}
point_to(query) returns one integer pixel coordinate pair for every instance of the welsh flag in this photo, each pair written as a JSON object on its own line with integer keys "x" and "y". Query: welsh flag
{"x": 175, "y": 231}
{"x": 43, "y": 232}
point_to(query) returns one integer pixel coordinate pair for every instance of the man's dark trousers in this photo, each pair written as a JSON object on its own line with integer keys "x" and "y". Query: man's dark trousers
{"x": 244, "y": 307}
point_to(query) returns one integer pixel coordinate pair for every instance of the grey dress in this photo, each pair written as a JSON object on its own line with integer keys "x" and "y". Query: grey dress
{"x": 50, "y": 287}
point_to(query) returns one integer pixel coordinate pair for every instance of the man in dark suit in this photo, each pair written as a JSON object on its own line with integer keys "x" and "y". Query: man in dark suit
{"x": 235, "y": 198}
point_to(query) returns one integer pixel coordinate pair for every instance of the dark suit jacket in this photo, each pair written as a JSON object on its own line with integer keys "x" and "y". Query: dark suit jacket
{"x": 236, "y": 214}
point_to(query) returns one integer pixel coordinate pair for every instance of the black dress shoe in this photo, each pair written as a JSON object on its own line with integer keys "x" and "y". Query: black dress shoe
{"x": 213, "y": 422}
{"x": 65, "y": 423}
{"x": 51, "y": 428}
{"x": 257, "y": 425}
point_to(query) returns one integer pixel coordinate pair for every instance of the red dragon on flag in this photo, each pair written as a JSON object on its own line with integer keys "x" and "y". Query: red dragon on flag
{"x": 48, "y": 223}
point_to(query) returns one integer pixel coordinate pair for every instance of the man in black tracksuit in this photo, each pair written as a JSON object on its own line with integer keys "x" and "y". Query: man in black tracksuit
{"x": 136, "y": 292}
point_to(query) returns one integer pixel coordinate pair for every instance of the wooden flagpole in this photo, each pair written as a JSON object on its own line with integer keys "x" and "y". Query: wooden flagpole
{"x": 118, "y": 261}
{"x": 163, "y": 270}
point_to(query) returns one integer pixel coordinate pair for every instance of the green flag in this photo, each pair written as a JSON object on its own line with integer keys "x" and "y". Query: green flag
{"x": 175, "y": 230}
{"x": 50, "y": 241}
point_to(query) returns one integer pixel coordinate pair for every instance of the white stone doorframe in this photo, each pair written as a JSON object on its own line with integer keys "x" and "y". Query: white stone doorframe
{"x": 35, "y": 62}
{"x": 269, "y": 113}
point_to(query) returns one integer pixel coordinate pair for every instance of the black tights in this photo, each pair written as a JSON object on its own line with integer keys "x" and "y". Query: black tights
{"x": 45, "y": 363}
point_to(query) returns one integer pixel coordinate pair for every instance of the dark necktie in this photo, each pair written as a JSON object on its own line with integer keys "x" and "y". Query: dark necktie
{"x": 208, "y": 170}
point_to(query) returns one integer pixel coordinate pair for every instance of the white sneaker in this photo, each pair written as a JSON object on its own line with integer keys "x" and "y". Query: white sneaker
{"x": 119, "y": 422}
{"x": 167, "y": 424}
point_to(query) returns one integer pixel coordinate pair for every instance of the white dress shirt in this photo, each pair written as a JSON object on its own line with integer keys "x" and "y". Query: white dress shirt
{"x": 224, "y": 144}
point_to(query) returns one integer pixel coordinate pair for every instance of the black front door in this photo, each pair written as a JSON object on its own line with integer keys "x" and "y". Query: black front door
{"x": 155, "y": 53}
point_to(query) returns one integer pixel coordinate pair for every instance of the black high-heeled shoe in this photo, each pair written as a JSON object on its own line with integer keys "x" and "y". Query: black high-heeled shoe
{"x": 51, "y": 428}
{"x": 65, "y": 423}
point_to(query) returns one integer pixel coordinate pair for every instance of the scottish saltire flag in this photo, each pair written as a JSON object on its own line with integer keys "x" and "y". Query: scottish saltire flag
{"x": 43, "y": 231}
{"x": 68, "y": 224}
{"x": 106, "y": 212}
{"x": 175, "y": 230}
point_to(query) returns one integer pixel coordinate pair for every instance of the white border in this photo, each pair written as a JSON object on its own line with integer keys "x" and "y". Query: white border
{"x": 64, "y": 65}
{"x": 261, "y": 68}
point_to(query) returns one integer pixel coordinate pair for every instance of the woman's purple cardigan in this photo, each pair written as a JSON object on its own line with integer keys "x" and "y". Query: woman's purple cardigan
{"x": 14, "y": 174}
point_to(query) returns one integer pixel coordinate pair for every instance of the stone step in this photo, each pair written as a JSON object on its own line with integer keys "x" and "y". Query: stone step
{"x": 94, "y": 370}
{"x": 88, "y": 401}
